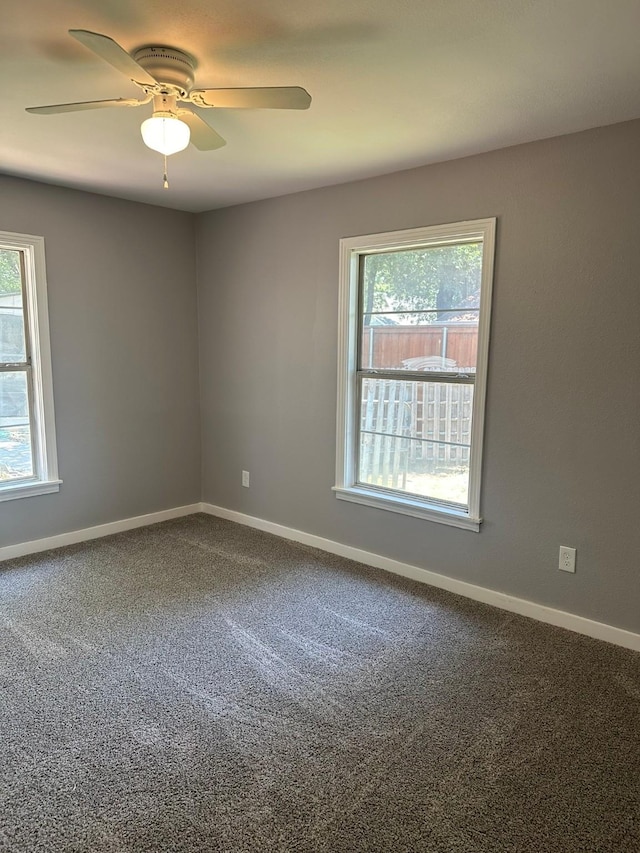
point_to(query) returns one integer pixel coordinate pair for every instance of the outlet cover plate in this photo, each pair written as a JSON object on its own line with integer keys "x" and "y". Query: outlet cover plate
{"x": 567, "y": 561}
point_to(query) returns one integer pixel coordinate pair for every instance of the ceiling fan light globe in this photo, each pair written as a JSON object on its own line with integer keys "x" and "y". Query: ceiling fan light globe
{"x": 166, "y": 134}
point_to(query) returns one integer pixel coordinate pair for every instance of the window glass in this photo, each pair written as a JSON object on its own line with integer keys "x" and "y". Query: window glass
{"x": 16, "y": 460}
{"x": 12, "y": 331}
{"x": 420, "y": 308}
{"x": 416, "y": 437}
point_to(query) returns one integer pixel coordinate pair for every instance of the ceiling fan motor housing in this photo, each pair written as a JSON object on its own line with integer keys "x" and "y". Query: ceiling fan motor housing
{"x": 167, "y": 65}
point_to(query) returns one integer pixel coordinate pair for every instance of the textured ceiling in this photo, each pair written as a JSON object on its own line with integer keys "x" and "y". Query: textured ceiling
{"x": 394, "y": 85}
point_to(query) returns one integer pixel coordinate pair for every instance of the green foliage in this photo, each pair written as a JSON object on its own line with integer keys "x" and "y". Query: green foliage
{"x": 438, "y": 278}
{"x": 10, "y": 281}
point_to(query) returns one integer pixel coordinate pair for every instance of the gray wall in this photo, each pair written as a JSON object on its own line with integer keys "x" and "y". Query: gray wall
{"x": 122, "y": 301}
{"x": 562, "y": 459}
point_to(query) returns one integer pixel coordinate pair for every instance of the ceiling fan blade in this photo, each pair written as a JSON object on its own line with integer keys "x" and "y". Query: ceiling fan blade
{"x": 109, "y": 50}
{"x": 203, "y": 137}
{"x": 85, "y": 105}
{"x": 264, "y": 98}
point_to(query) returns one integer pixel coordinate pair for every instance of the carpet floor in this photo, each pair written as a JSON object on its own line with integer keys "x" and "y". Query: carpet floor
{"x": 201, "y": 686}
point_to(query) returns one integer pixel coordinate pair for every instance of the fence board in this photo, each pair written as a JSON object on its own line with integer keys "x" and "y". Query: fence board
{"x": 413, "y": 411}
{"x": 389, "y": 346}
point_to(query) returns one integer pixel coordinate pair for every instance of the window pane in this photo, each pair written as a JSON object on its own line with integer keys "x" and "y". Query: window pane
{"x": 16, "y": 459}
{"x": 437, "y": 278}
{"x": 415, "y": 437}
{"x": 14, "y": 399}
{"x": 421, "y": 341}
{"x": 424, "y": 469}
{"x": 12, "y": 340}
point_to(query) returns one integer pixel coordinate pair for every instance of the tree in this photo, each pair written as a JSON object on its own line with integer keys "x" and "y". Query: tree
{"x": 10, "y": 277}
{"x": 436, "y": 279}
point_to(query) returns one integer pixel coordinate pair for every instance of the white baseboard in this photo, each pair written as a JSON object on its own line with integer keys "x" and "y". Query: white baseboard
{"x": 559, "y": 618}
{"x": 8, "y": 552}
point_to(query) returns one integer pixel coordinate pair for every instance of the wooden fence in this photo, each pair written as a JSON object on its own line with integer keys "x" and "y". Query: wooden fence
{"x": 428, "y": 422}
{"x": 389, "y": 346}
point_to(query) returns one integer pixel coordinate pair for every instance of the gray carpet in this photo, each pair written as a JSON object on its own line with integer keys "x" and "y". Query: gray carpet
{"x": 199, "y": 686}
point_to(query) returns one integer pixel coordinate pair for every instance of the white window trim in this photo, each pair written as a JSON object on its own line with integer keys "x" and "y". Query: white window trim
{"x": 45, "y": 460}
{"x": 346, "y": 488}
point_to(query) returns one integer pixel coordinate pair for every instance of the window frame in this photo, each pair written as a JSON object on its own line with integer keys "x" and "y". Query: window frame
{"x": 352, "y": 249}
{"x": 38, "y": 369}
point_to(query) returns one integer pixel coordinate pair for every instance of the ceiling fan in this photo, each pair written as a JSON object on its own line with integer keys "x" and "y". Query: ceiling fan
{"x": 166, "y": 76}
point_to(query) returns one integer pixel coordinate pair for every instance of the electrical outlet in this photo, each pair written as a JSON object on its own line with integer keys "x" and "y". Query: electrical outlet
{"x": 245, "y": 479}
{"x": 567, "y": 559}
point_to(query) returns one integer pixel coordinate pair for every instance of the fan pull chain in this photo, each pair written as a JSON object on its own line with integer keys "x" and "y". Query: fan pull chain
{"x": 165, "y": 180}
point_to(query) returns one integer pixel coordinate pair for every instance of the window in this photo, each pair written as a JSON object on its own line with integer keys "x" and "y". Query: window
{"x": 28, "y": 463}
{"x": 414, "y": 312}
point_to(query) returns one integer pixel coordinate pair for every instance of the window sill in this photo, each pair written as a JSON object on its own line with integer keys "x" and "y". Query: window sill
{"x": 407, "y": 506}
{"x": 10, "y": 492}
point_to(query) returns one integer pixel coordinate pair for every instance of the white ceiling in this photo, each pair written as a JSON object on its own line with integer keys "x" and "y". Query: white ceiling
{"x": 395, "y": 84}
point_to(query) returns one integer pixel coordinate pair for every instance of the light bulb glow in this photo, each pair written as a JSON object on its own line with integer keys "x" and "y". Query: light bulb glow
{"x": 165, "y": 133}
